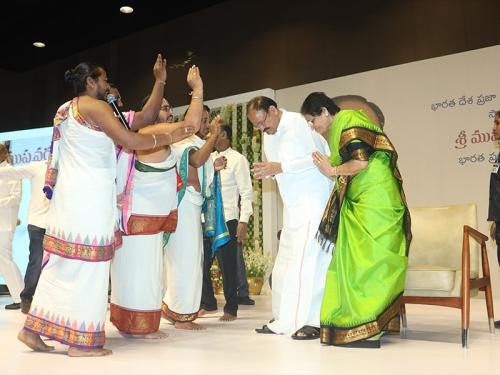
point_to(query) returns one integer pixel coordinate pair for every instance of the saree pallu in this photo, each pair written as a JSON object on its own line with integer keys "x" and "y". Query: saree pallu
{"x": 366, "y": 277}
{"x": 70, "y": 302}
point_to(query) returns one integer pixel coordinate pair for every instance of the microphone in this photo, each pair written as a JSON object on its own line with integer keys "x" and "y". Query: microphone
{"x": 111, "y": 99}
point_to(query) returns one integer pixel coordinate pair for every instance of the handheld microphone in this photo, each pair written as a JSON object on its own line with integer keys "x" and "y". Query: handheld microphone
{"x": 111, "y": 99}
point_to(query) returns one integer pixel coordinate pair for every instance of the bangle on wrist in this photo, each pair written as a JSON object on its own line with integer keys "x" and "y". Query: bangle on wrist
{"x": 196, "y": 97}
{"x": 335, "y": 171}
{"x": 162, "y": 82}
{"x": 154, "y": 138}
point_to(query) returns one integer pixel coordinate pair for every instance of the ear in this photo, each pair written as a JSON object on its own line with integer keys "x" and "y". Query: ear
{"x": 324, "y": 112}
{"x": 90, "y": 82}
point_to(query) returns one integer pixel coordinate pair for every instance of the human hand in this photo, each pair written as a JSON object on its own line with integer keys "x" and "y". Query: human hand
{"x": 194, "y": 79}
{"x": 180, "y": 131}
{"x": 160, "y": 69}
{"x": 220, "y": 163}
{"x": 214, "y": 126}
{"x": 266, "y": 169}
{"x": 323, "y": 163}
{"x": 241, "y": 232}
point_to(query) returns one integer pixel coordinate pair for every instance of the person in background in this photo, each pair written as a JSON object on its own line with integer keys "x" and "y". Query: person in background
{"x": 37, "y": 212}
{"x": 10, "y": 198}
{"x": 494, "y": 201}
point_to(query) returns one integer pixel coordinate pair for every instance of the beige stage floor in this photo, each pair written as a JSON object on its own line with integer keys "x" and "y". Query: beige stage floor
{"x": 432, "y": 347}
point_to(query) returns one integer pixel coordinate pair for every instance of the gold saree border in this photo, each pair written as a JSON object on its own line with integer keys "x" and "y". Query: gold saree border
{"x": 64, "y": 334}
{"x": 149, "y": 224}
{"x": 338, "y": 336}
{"x": 78, "y": 251}
{"x": 379, "y": 142}
{"x": 176, "y": 317}
{"x": 135, "y": 322}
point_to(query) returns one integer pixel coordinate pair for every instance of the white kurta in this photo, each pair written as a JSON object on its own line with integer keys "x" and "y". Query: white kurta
{"x": 300, "y": 269}
{"x": 184, "y": 250}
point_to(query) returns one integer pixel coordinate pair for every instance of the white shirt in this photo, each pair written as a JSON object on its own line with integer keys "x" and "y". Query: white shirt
{"x": 10, "y": 198}
{"x": 235, "y": 183}
{"x": 292, "y": 145}
{"x": 35, "y": 172}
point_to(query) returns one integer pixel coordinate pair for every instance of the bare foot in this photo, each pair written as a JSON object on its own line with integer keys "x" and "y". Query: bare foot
{"x": 33, "y": 341}
{"x": 76, "y": 352}
{"x": 227, "y": 317}
{"x": 189, "y": 326}
{"x": 204, "y": 312}
{"x": 152, "y": 336}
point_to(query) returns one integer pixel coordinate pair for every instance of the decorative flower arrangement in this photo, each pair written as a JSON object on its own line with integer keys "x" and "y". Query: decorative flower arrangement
{"x": 257, "y": 263}
{"x": 216, "y": 275}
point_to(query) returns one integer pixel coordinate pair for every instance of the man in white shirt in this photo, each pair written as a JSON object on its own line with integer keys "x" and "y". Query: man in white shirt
{"x": 300, "y": 269}
{"x": 236, "y": 183}
{"x": 10, "y": 198}
{"x": 37, "y": 212}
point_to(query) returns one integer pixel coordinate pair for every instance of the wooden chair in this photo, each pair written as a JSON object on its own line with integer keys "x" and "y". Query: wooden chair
{"x": 443, "y": 267}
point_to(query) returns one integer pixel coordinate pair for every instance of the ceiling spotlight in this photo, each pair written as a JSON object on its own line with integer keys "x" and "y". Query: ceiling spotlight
{"x": 126, "y": 10}
{"x": 39, "y": 44}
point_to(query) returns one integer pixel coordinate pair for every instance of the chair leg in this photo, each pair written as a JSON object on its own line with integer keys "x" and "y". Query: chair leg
{"x": 404, "y": 322}
{"x": 465, "y": 318}
{"x": 489, "y": 308}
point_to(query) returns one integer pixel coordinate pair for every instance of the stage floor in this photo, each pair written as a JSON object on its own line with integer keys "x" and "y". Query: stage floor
{"x": 433, "y": 346}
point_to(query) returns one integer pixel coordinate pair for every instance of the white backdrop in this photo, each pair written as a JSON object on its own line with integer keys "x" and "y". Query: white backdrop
{"x": 439, "y": 116}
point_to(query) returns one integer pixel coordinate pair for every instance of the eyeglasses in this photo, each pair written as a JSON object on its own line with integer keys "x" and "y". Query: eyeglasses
{"x": 261, "y": 125}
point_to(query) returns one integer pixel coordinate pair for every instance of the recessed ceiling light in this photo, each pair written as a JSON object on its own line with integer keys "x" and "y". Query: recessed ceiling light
{"x": 39, "y": 44}
{"x": 126, "y": 10}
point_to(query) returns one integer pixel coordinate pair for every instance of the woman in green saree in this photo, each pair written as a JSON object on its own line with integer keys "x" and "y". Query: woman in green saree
{"x": 366, "y": 222}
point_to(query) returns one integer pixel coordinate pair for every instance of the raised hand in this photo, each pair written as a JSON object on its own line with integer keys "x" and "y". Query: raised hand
{"x": 160, "y": 69}
{"x": 214, "y": 126}
{"x": 194, "y": 78}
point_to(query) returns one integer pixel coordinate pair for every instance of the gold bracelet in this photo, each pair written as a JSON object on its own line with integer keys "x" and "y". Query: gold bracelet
{"x": 154, "y": 138}
{"x": 197, "y": 97}
{"x": 164, "y": 82}
{"x": 335, "y": 171}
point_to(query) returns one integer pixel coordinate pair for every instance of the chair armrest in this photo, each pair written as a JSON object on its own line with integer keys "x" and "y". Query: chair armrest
{"x": 478, "y": 236}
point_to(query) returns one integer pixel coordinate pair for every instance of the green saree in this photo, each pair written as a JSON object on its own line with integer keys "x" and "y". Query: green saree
{"x": 368, "y": 222}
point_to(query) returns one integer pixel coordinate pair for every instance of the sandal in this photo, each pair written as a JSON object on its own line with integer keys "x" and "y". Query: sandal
{"x": 265, "y": 329}
{"x": 306, "y": 333}
{"x": 367, "y": 344}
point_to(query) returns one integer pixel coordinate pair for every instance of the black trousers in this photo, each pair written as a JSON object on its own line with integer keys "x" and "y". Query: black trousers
{"x": 34, "y": 267}
{"x": 227, "y": 258}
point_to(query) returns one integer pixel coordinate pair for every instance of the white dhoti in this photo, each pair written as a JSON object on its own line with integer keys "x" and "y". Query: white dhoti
{"x": 70, "y": 301}
{"x": 299, "y": 271}
{"x": 137, "y": 267}
{"x": 184, "y": 262}
{"x": 8, "y": 268}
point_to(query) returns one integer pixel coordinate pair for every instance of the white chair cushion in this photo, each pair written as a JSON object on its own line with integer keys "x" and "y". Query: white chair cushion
{"x": 428, "y": 277}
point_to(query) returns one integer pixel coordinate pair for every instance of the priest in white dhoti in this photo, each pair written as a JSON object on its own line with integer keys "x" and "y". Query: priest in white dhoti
{"x": 300, "y": 269}
{"x": 147, "y": 183}
{"x": 184, "y": 247}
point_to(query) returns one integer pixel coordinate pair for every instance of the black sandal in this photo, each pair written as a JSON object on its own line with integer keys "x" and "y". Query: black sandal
{"x": 265, "y": 329}
{"x": 367, "y": 344}
{"x": 306, "y": 333}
